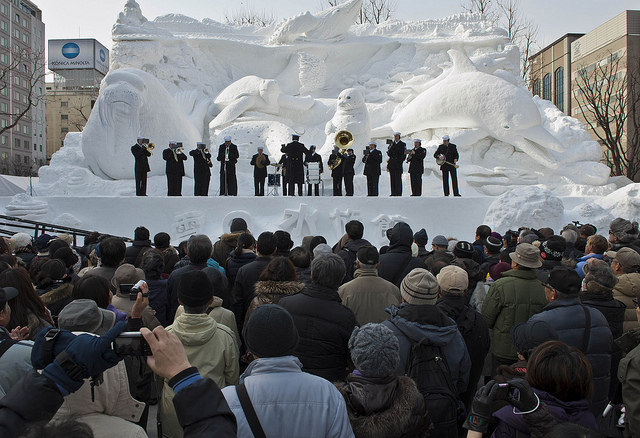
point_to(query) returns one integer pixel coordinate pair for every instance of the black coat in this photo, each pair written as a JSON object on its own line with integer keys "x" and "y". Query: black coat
{"x": 233, "y": 154}
{"x": 372, "y": 162}
{"x": 235, "y": 262}
{"x": 324, "y": 328}
{"x": 296, "y": 152}
{"x": 201, "y": 164}
{"x": 141, "y": 155}
{"x": 396, "y": 155}
{"x": 397, "y": 262}
{"x": 416, "y": 161}
{"x": 175, "y": 162}
{"x": 449, "y": 151}
{"x": 135, "y": 252}
{"x": 314, "y": 158}
{"x": 348, "y": 163}
{"x": 260, "y": 172}
{"x": 244, "y": 288}
{"x": 337, "y": 171}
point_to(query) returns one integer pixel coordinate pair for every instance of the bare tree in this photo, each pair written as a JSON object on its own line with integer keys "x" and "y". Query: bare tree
{"x": 372, "y": 11}
{"x": 609, "y": 101}
{"x": 80, "y": 109}
{"x": 26, "y": 67}
{"x": 483, "y": 7}
{"x": 527, "y": 43}
{"x": 249, "y": 15}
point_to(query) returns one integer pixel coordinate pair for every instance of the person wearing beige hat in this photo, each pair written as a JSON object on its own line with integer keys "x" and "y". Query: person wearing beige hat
{"x": 513, "y": 299}
{"x": 128, "y": 275}
{"x": 625, "y": 264}
{"x": 453, "y": 282}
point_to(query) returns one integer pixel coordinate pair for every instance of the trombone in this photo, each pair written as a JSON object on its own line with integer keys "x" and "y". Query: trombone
{"x": 149, "y": 147}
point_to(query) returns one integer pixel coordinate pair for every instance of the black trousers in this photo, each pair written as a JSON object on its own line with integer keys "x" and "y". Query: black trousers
{"x": 292, "y": 188}
{"x": 416, "y": 184}
{"x": 317, "y": 189}
{"x": 201, "y": 184}
{"x": 174, "y": 184}
{"x": 348, "y": 185}
{"x": 372, "y": 185}
{"x": 446, "y": 170}
{"x": 337, "y": 185}
{"x": 285, "y": 184}
{"x": 395, "y": 176}
{"x": 230, "y": 186}
{"x": 258, "y": 185}
{"x": 141, "y": 183}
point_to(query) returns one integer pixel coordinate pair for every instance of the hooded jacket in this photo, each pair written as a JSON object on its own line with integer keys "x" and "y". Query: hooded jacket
{"x": 428, "y": 321}
{"x": 270, "y": 292}
{"x": 348, "y": 254}
{"x": 398, "y": 261}
{"x": 211, "y": 348}
{"x": 368, "y": 295}
{"x": 223, "y": 247}
{"x": 235, "y": 262}
{"x": 221, "y": 315}
{"x": 628, "y": 288}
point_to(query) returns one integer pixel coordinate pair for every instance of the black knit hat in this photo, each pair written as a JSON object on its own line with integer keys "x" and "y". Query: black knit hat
{"x": 421, "y": 238}
{"x": 67, "y": 256}
{"x": 161, "y": 240}
{"x": 270, "y": 332}
{"x": 493, "y": 244}
{"x": 553, "y": 248}
{"x": 565, "y": 280}
{"x": 238, "y": 224}
{"x": 463, "y": 250}
{"x": 195, "y": 289}
{"x": 368, "y": 255}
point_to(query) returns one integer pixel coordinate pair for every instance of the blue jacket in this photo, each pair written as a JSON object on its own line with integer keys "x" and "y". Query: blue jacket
{"x": 583, "y": 261}
{"x": 289, "y": 402}
{"x": 429, "y": 321}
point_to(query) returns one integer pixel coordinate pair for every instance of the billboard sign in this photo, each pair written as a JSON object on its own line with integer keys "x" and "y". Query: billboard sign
{"x": 78, "y": 54}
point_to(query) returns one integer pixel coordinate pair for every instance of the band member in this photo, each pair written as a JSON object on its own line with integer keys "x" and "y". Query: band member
{"x": 348, "y": 171}
{"x": 313, "y": 157}
{"x": 296, "y": 152}
{"x": 259, "y": 161}
{"x": 394, "y": 164}
{"x": 201, "y": 169}
{"x": 372, "y": 159}
{"x": 416, "y": 166}
{"x": 141, "y": 153}
{"x": 175, "y": 159}
{"x": 447, "y": 156}
{"x": 336, "y": 165}
{"x": 228, "y": 157}
{"x": 284, "y": 162}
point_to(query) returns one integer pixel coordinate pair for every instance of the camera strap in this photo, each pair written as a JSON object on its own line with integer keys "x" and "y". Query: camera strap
{"x": 249, "y": 412}
{"x": 587, "y": 330}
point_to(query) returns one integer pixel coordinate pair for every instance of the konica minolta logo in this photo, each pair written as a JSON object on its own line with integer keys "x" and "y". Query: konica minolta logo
{"x": 70, "y": 50}
{"x": 103, "y": 56}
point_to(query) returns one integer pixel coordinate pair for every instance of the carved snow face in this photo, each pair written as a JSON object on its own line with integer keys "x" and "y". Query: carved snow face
{"x": 350, "y": 99}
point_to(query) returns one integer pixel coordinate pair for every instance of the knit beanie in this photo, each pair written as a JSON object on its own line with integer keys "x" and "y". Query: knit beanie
{"x": 626, "y": 231}
{"x": 238, "y": 224}
{"x": 374, "y": 350}
{"x": 463, "y": 250}
{"x": 419, "y": 287}
{"x": 195, "y": 289}
{"x": 421, "y": 238}
{"x": 553, "y": 248}
{"x": 270, "y": 332}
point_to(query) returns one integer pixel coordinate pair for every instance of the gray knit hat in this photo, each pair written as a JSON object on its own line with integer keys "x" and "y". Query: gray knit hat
{"x": 374, "y": 350}
{"x": 626, "y": 231}
{"x": 419, "y": 287}
{"x": 270, "y": 332}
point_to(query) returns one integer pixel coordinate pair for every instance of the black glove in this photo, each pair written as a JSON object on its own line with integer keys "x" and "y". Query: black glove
{"x": 482, "y": 406}
{"x": 524, "y": 399}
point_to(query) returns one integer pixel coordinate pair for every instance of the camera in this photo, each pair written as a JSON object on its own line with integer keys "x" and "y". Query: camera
{"x": 131, "y": 344}
{"x": 389, "y": 141}
{"x": 133, "y": 290}
{"x": 366, "y": 151}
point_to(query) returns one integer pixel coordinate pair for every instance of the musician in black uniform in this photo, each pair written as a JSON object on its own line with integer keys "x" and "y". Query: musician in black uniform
{"x": 372, "y": 159}
{"x": 175, "y": 158}
{"x": 348, "y": 172}
{"x": 141, "y": 154}
{"x": 201, "y": 170}
{"x": 259, "y": 161}
{"x": 284, "y": 162}
{"x": 296, "y": 152}
{"x": 336, "y": 165}
{"x": 228, "y": 156}
{"x": 449, "y": 154}
{"x": 394, "y": 164}
{"x": 416, "y": 166}
{"x": 313, "y": 157}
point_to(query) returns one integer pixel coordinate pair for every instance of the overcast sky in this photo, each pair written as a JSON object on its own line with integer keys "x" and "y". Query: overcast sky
{"x": 94, "y": 19}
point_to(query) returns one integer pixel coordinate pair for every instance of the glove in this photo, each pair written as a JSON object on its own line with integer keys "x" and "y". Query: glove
{"x": 94, "y": 353}
{"x": 38, "y": 359}
{"x": 525, "y": 400}
{"x": 66, "y": 384}
{"x": 482, "y": 406}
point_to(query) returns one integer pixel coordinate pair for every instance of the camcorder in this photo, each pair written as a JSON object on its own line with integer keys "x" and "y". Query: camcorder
{"x": 366, "y": 151}
{"x": 389, "y": 141}
{"x": 131, "y": 344}
{"x": 133, "y": 289}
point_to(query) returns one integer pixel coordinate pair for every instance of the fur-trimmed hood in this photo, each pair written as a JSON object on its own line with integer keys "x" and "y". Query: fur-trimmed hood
{"x": 62, "y": 292}
{"x": 405, "y": 416}
{"x": 270, "y": 290}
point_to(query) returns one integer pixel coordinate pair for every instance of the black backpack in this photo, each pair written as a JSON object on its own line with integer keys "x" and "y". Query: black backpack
{"x": 428, "y": 368}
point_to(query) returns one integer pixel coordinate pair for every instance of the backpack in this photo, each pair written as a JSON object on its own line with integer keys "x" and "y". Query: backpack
{"x": 428, "y": 368}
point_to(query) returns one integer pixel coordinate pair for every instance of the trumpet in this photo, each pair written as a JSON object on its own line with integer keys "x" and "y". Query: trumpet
{"x": 178, "y": 150}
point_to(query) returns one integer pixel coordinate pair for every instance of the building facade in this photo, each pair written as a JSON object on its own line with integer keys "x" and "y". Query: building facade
{"x": 22, "y": 88}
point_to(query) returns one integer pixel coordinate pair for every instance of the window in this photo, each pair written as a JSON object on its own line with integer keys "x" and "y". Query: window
{"x": 4, "y": 140}
{"x": 25, "y": 38}
{"x": 26, "y": 129}
{"x": 3, "y": 41}
{"x": 5, "y": 156}
{"x": 4, "y": 123}
{"x": 26, "y": 159}
{"x": 3, "y": 25}
{"x": 16, "y": 80}
{"x": 64, "y": 116}
{"x": 64, "y": 103}
{"x": 3, "y": 9}
{"x": 41, "y": 146}
{"x": 25, "y": 23}
{"x": 35, "y": 147}
{"x": 64, "y": 130}
{"x": 17, "y": 18}
{"x": 4, "y": 91}
{"x": 17, "y": 142}
{"x": 16, "y": 32}
{"x": 3, "y": 58}
{"x": 25, "y": 98}
{"x": 3, "y": 107}
{"x": 26, "y": 144}
{"x": 558, "y": 88}
{"x": 546, "y": 87}
{"x": 16, "y": 95}
{"x": 25, "y": 83}
{"x": 17, "y": 158}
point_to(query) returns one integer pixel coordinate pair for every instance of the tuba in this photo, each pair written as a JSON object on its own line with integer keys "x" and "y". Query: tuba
{"x": 344, "y": 140}
{"x": 260, "y": 161}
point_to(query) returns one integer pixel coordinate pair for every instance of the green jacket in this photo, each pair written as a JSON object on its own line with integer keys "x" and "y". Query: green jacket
{"x": 629, "y": 375}
{"x": 512, "y": 299}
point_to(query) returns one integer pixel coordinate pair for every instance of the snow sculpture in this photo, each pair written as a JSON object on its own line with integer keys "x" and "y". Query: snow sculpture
{"x": 301, "y": 222}
{"x": 531, "y": 207}
{"x": 187, "y": 224}
{"x": 351, "y": 115}
{"x": 26, "y": 207}
{"x": 134, "y": 104}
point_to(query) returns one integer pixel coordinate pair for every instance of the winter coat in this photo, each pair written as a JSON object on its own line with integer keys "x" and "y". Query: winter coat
{"x": 546, "y": 268}
{"x": 629, "y": 375}
{"x": 221, "y": 315}
{"x": 224, "y": 246}
{"x": 134, "y": 253}
{"x": 416, "y": 161}
{"x": 628, "y": 288}
{"x": 612, "y": 309}
{"x": 324, "y": 328}
{"x": 583, "y": 261}
{"x": 475, "y": 333}
{"x": 438, "y": 255}
{"x": 474, "y": 273}
{"x": 396, "y": 155}
{"x": 368, "y": 295}
{"x": 244, "y": 288}
{"x": 511, "y": 424}
{"x": 270, "y": 292}
{"x": 15, "y": 363}
{"x": 412, "y": 323}
{"x": 235, "y": 262}
{"x": 398, "y": 261}
{"x": 210, "y": 347}
{"x": 304, "y": 274}
{"x": 289, "y": 402}
{"x": 348, "y": 255}
{"x": 171, "y": 257}
{"x": 568, "y": 319}
{"x": 572, "y": 253}
{"x": 158, "y": 299}
{"x": 512, "y": 299}
{"x": 106, "y": 272}
{"x": 387, "y": 407}
{"x": 56, "y": 299}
